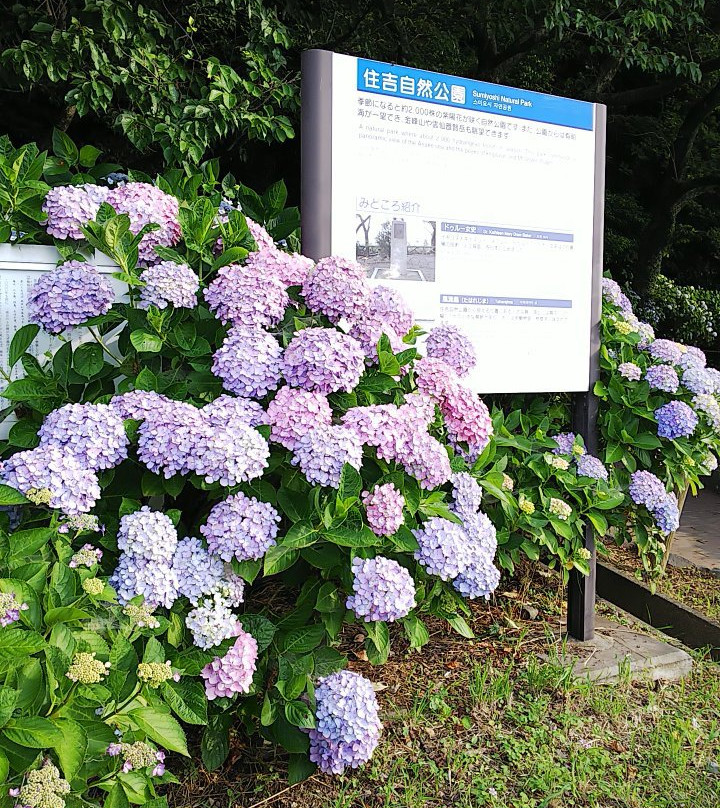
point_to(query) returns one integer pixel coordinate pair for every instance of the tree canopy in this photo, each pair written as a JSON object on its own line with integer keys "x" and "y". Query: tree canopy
{"x": 164, "y": 82}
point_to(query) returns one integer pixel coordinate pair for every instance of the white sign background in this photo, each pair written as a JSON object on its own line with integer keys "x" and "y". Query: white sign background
{"x": 513, "y": 205}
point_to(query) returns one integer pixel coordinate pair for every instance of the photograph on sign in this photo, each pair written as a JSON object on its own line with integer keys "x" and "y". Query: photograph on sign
{"x": 482, "y": 203}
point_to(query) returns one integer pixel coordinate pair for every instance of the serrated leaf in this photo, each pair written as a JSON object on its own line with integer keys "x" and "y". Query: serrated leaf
{"x": 262, "y": 629}
{"x": 11, "y": 496}
{"x": 187, "y": 700}
{"x": 299, "y": 715}
{"x": 71, "y": 751}
{"x": 161, "y": 727}
{"x": 33, "y": 732}
{"x": 279, "y": 558}
{"x": 301, "y": 640}
{"x": 20, "y": 342}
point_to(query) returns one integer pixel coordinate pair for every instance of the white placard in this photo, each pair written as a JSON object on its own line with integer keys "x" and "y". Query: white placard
{"x": 477, "y": 201}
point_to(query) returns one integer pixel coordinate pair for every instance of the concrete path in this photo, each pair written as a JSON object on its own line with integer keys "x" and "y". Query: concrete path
{"x": 697, "y": 541}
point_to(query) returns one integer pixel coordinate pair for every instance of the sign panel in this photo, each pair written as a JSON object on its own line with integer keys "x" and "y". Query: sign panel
{"x": 481, "y": 203}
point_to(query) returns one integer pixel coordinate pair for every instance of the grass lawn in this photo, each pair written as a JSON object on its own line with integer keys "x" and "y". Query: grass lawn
{"x": 489, "y": 723}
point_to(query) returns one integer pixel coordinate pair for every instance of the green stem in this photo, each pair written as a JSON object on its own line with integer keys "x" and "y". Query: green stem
{"x": 5, "y": 376}
{"x": 105, "y": 348}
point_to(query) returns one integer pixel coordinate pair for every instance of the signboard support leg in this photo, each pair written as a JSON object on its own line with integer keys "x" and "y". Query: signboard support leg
{"x": 581, "y": 588}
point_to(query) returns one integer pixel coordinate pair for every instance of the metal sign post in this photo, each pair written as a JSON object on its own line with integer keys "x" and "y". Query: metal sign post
{"x": 510, "y": 185}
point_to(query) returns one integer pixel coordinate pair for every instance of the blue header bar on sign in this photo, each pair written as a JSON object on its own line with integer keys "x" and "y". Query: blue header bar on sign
{"x": 454, "y": 91}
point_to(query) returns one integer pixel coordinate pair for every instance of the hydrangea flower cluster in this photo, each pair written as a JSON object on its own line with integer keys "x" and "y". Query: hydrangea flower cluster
{"x": 710, "y": 406}
{"x": 212, "y": 620}
{"x": 323, "y": 360}
{"x": 67, "y": 484}
{"x": 234, "y": 409}
{"x": 87, "y": 556}
{"x": 138, "y": 404}
{"x": 559, "y": 508}
{"x": 229, "y": 454}
{"x": 676, "y": 419}
{"x": 665, "y": 350}
{"x": 443, "y": 548}
{"x": 383, "y": 590}
{"x": 662, "y": 377}
{"x": 646, "y": 489}
{"x": 467, "y": 495}
{"x": 169, "y": 283}
{"x": 147, "y": 204}
{"x": 147, "y": 534}
{"x": 294, "y": 412}
{"x": 347, "y": 727}
{"x": 387, "y": 307}
{"x": 233, "y": 673}
{"x": 153, "y": 674}
{"x": 322, "y": 452}
{"x": 93, "y": 433}
{"x": 698, "y": 381}
{"x": 448, "y": 343}
{"x": 156, "y": 581}
{"x": 249, "y": 362}
{"x": 42, "y": 788}
{"x": 241, "y": 527}
{"x": 196, "y": 570}
{"x": 336, "y": 288}
{"x": 566, "y": 444}
{"x": 10, "y": 608}
{"x": 167, "y": 438}
{"x": 630, "y": 371}
{"x": 69, "y": 295}
{"x": 589, "y": 466}
{"x": 71, "y": 207}
{"x": 246, "y": 296}
{"x": 384, "y": 509}
{"x": 667, "y": 515}
{"x": 141, "y": 615}
{"x": 87, "y": 670}
{"x": 138, "y": 755}
{"x": 614, "y": 294}
{"x": 290, "y": 269}
{"x": 93, "y": 586}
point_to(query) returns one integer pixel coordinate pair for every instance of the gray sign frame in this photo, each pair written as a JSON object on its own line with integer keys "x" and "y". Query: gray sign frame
{"x": 316, "y": 220}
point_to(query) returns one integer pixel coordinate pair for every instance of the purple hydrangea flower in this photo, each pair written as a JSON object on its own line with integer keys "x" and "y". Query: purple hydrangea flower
{"x": 294, "y": 412}
{"x": 480, "y": 578}
{"x": 384, "y": 509}
{"x": 708, "y": 404}
{"x": 388, "y": 306}
{"x": 249, "y": 362}
{"x": 665, "y": 350}
{"x": 137, "y": 404}
{"x": 69, "y": 295}
{"x": 233, "y": 673}
{"x": 383, "y": 590}
{"x": 467, "y": 495}
{"x": 262, "y": 238}
{"x": 444, "y": 548}
{"x": 169, "y": 283}
{"x": 94, "y": 433}
{"x": 467, "y": 420}
{"x": 70, "y": 207}
{"x": 156, "y": 581}
{"x": 646, "y": 489}
{"x": 613, "y": 294}
{"x": 336, "y": 288}
{"x": 229, "y": 454}
{"x": 697, "y": 380}
{"x": 242, "y": 527}
{"x": 630, "y": 371}
{"x": 323, "y": 360}
{"x": 225, "y": 409}
{"x": 435, "y": 378}
{"x": 589, "y": 466}
{"x": 368, "y": 333}
{"x": 54, "y": 475}
{"x": 322, "y": 452}
{"x": 692, "y": 358}
{"x": 147, "y": 534}
{"x": 449, "y": 343}
{"x": 246, "y": 296}
{"x": 168, "y": 436}
{"x": 290, "y": 269}
{"x": 347, "y": 727}
{"x": 565, "y": 443}
{"x": 676, "y": 420}
{"x": 714, "y": 375}
{"x": 196, "y": 570}
{"x": 10, "y": 608}
{"x": 146, "y": 204}
{"x": 667, "y": 515}
{"x": 662, "y": 377}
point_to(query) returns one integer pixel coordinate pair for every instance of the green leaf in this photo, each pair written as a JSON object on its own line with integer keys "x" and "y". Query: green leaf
{"x": 279, "y": 558}
{"x": 33, "y": 732}
{"x": 299, "y": 714}
{"x": 187, "y": 700}
{"x": 8, "y": 700}
{"x": 20, "y": 342}
{"x": 262, "y": 629}
{"x": 116, "y": 798}
{"x": 302, "y": 640}
{"x": 161, "y": 727}
{"x": 4, "y": 767}
{"x": 215, "y": 744}
{"x": 350, "y": 483}
{"x": 301, "y": 534}
{"x": 64, "y": 148}
{"x": 88, "y": 359}
{"x": 268, "y": 712}
{"x": 25, "y": 543}
{"x": 71, "y": 751}
{"x": 65, "y": 614}
{"x": 347, "y": 537}
{"x": 11, "y": 496}
{"x": 327, "y": 660}
{"x": 328, "y": 597}
{"x": 417, "y": 633}
{"x": 378, "y": 644}
{"x": 461, "y": 626}
{"x": 17, "y": 644}
{"x": 88, "y": 156}
{"x": 404, "y": 540}
{"x": 145, "y": 342}
{"x": 599, "y": 522}
{"x": 300, "y": 768}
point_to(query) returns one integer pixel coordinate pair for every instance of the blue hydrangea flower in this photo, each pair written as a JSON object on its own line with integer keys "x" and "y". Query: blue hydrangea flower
{"x": 147, "y": 534}
{"x": 196, "y": 570}
{"x": 467, "y": 495}
{"x": 589, "y": 466}
{"x": 665, "y": 350}
{"x": 169, "y": 283}
{"x": 156, "y": 581}
{"x": 383, "y": 590}
{"x": 241, "y": 527}
{"x": 667, "y": 515}
{"x": 698, "y": 380}
{"x": 676, "y": 420}
{"x": 444, "y": 548}
{"x": 322, "y": 452}
{"x": 646, "y": 489}
{"x": 347, "y": 724}
{"x": 248, "y": 362}
{"x": 662, "y": 377}
{"x": 630, "y": 371}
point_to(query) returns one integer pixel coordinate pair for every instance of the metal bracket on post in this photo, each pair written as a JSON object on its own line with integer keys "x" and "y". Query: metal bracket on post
{"x": 581, "y": 588}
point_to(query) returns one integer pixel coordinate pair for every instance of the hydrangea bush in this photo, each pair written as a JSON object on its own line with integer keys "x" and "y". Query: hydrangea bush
{"x": 206, "y": 481}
